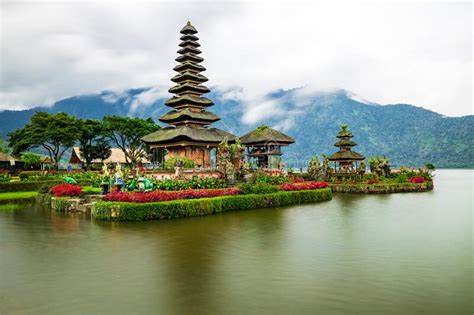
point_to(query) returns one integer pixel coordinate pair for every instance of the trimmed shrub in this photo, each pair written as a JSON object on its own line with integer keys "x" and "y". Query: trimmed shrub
{"x": 194, "y": 183}
{"x": 34, "y": 185}
{"x": 4, "y": 178}
{"x": 258, "y": 188}
{"x": 126, "y": 211}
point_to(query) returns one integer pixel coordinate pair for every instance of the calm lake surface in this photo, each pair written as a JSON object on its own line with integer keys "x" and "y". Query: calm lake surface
{"x": 388, "y": 254}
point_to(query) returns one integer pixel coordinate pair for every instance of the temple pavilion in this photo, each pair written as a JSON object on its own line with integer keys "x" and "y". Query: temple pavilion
{"x": 189, "y": 133}
{"x": 345, "y": 158}
{"x": 263, "y": 147}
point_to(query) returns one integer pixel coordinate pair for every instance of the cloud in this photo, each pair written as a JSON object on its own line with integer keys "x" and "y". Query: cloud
{"x": 418, "y": 53}
{"x": 147, "y": 98}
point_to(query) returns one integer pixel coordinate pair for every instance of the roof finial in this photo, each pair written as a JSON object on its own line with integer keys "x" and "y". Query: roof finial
{"x": 189, "y": 23}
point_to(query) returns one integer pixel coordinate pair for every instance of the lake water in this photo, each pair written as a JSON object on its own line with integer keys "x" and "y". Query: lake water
{"x": 378, "y": 254}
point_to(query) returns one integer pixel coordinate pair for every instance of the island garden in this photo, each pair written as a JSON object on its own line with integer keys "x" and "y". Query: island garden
{"x": 125, "y": 168}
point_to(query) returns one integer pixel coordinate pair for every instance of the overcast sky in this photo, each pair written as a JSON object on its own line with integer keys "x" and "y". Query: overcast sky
{"x": 416, "y": 53}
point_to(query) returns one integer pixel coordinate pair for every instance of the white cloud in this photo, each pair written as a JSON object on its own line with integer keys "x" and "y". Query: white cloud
{"x": 418, "y": 53}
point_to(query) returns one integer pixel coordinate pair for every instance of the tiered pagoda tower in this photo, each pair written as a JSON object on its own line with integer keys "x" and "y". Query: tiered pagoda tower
{"x": 344, "y": 159}
{"x": 189, "y": 133}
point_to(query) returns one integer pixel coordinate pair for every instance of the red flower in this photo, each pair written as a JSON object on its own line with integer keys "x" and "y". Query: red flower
{"x": 373, "y": 181}
{"x": 296, "y": 179}
{"x": 159, "y": 195}
{"x": 417, "y": 179}
{"x": 302, "y": 186}
{"x": 63, "y": 190}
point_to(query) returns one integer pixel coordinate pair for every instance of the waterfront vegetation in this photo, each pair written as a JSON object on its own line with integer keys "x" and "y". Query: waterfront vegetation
{"x": 128, "y": 211}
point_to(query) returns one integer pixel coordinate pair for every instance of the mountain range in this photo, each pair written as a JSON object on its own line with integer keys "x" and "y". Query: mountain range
{"x": 407, "y": 134}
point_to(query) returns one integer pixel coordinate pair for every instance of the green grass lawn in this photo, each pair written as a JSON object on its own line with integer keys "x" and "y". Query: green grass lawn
{"x": 18, "y": 195}
{"x": 93, "y": 190}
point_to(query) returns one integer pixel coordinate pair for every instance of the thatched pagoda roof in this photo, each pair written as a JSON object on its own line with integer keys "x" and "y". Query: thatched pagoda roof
{"x": 188, "y": 115}
{"x": 188, "y": 29}
{"x": 187, "y": 133}
{"x": 264, "y": 135}
{"x": 345, "y": 143}
{"x": 187, "y": 87}
{"x": 346, "y": 156}
{"x": 187, "y": 100}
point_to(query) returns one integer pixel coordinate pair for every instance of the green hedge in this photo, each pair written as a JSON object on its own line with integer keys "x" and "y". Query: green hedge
{"x": 34, "y": 185}
{"x": 381, "y": 188}
{"x": 127, "y": 211}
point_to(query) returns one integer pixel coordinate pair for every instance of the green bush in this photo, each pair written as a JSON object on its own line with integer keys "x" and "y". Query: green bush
{"x": 4, "y": 178}
{"x": 262, "y": 177}
{"x": 125, "y": 211}
{"x": 35, "y": 185}
{"x": 400, "y": 178}
{"x": 258, "y": 188}
{"x": 194, "y": 183}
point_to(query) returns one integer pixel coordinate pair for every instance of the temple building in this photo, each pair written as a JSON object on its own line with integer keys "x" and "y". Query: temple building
{"x": 263, "y": 147}
{"x": 345, "y": 158}
{"x": 189, "y": 133}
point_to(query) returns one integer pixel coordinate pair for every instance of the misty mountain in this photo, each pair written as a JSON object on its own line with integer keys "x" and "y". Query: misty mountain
{"x": 407, "y": 134}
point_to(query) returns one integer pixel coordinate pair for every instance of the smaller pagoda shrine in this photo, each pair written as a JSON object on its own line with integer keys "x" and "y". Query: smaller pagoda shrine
{"x": 345, "y": 158}
{"x": 263, "y": 147}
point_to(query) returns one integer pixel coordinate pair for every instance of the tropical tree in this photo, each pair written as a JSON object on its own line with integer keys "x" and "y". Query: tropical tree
{"x": 4, "y": 146}
{"x": 93, "y": 145}
{"x": 31, "y": 160}
{"x": 56, "y": 133}
{"x": 126, "y": 133}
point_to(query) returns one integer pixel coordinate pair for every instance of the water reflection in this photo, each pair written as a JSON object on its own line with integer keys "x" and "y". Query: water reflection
{"x": 400, "y": 253}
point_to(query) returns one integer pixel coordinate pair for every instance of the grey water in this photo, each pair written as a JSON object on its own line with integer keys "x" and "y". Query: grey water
{"x": 366, "y": 254}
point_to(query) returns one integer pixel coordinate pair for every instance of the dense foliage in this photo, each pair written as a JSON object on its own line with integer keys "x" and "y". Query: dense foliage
{"x": 92, "y": 143}
{"x": 55, "y": 133}
{"x": 126, "y": 133}
{"x": 31, "y": 160}
{"x": 195, "y": 183}
{"x": 93, "y": 177}
{"x": 258, "y": 188}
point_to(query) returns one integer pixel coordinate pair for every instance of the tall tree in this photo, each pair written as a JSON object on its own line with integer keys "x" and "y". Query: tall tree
{"x": 31, "y": 160}
{"x": 4, "y": 146}
{"x": 126, "y": 133}
{"x": 56, "y": 133}
{"x": 92, "y": 143}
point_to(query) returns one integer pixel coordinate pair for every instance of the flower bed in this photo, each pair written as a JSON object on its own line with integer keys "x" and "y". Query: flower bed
{"x": 66, "y": 190}
{"x": 157, "y": 195}
{"x": 303, "y": 186}
{"x": 418, "y": 179}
